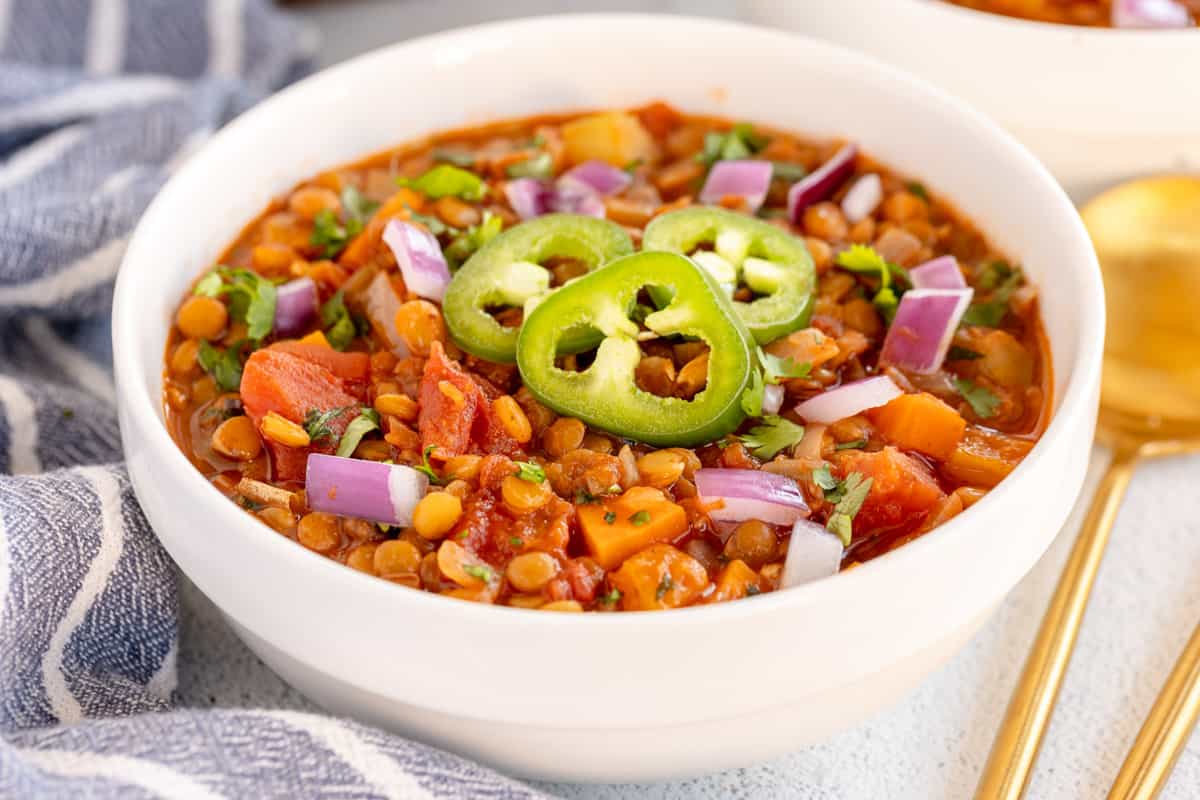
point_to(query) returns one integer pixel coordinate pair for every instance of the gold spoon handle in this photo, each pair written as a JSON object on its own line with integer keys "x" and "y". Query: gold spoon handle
{"x": 1016, "y": 746}
{"x": 1165, "y": 731}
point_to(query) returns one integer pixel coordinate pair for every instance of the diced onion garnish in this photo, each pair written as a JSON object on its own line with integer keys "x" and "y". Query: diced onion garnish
{"x": 924, "y": 325}
{"x": 818, "y": 185}
{"x": 813, "y": 553}
{"x": 419, "y": 257}
{"x": 863, "y": 198}
{"x": 296, "y": 306}
{"x": 528, "y": 197}
{"x": 750, "y": 494}
{"x": 747, "y": 179}
{"x": 572, "y": 196}
{"x": 772, "y": 399}
{"x": 1150, "y": 14}
{"x": 370, "y": 490}
{"x": 604, "y": 178}
{"x": 940, "y": 273}
{"x": 849, "y": 399}
{"x": 382, "y": 304}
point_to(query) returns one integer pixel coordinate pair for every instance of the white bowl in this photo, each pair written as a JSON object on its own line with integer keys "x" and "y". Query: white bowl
{"x": 608, "y": 697}
{"x": 1097, "y": 105}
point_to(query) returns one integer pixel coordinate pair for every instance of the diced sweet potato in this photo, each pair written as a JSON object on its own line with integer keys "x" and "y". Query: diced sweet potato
{"x": 737, "y": 580}
{"x": 902, "y": 488}
{"x": 614, "y": 136}
{"x": 984, "y": 458}
{"x": 617, "y": 528}
{"x": 659, "y": 577}
{"x": 920, "y": 422}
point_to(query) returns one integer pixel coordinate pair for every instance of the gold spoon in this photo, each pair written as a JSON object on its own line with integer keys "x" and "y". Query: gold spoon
{"x": 1147, "y": 235}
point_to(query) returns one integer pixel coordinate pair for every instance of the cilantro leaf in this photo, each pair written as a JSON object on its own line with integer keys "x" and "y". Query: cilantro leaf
{"x": 886, "y": 303}
{"x": 479, "y": 572}
{"x": 752, "y": 397}
{"x": 857, "y": 444}
{"x": 426, "y": 467}
{"x": 867, "y": 260}
{"x": 771, "y": 436}
{"x": 318, "y": 424}
{"x": 447, "y": 180}
{"x": 340, "y": 329}
{"x": 956, "y": 353}
{"x": 225, "y": 366}
{"x": 459, "y": 158}
{"x": 434, "y": 224}
{"x": 358, "y": 207}
{"x": 854, "y": 491}
{"x": 824, "y": 478}
{"x": 918, "y": 188}
{"x": 640, "y": 518}
{"x": 776, "y": 369}
{"x": 540, "y": 166}
{"x": 330, "y": 234}
{"x": 665, "y": 585}
{"x": 982, "y": 401}
{"x": 251, "y": 299}
{"x": 787, "y": 171}
{"x": 366, "y": 421}
{"x": 469, "y": 241}
{"x": 612, "y": 598}
{"x": 209, "y": 285}
{"x": 529, "y": 471}
{"x": 1002, "y": 279}
{"x": 738, "y": 143}
{"x": 610, "y": 517}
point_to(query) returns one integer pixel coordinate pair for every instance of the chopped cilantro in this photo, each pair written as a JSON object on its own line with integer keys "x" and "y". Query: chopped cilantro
{"x": 982, "y": 401}
{"x": 771, "y": 436}
{"x": 957, "y": 353}
{"x": 787, "y": 171}
{"x": 886, "y": 303}
{"x": 631, "y": 167}
{"x": 857, "y": 444}
{"x": 640, "y": 518}
{"x": 664, "y": 586}
{"x": 366, "y": 421}
{"x": 752, "y": 397}
{"x": 612, "y": 598}
{"x": 434, "y": 224}
{"x": 740, "y": 142}
{"x": 447, "y": 180}
{"x": 426, "y": 467}
{"x": 540, "y": 166}
{"x": 777, "y": 369}
{"x": 225, "y": 366}
{"x": 251, "y": 298}
{"x": 209, "y": 285}
{"x": 469, "y": 241}
{"x": 330, "y": 234}
{"x": 824, "y": 478}
{"x": 516, "y": 541}
{"x": 752, "y": 589}
{"x": 987, "y": 315}
{"x": 339, "y": 327}
{"x": 996, "y": 274}
{"x": 610, "y": 517}
{"x": 529, "y": 471}
{"x": 317, "y": 423}
{"x": 459, "y": 158}
{"x": 867, "y": 260}
{"x": 479, "y": 572}
{"x": 1001, "y": 279}
{"x": 854, "y": 491}
{"x": 918, "y": 188}
{"x": 583, "y": 497}
{"x": 357, "y": 206}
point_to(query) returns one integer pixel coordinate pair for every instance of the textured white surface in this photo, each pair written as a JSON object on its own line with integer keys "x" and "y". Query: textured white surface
{"x": 933, "y": 743}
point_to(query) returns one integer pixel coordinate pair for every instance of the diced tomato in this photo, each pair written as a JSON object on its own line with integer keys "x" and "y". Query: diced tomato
{"x": 902, "y": 488}
{"x": 584, "y": 577}
{"x": 290, "y": 386}
{"x": 347, "y": 366}
{"x": 449, "y": 402}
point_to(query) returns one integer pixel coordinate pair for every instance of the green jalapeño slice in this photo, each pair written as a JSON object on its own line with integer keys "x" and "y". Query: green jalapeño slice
{"x": 605, "y": 394}
{"x": 507, "y": 272}
{"x": 741, "y": 250}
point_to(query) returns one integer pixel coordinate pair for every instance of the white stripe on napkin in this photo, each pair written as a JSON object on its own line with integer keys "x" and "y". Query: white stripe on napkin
{"x": 106, "y": 37}
{"x": 21, "y": 414}
{"x": 71, "y": 363}
{"x": 97, "y": 267}
{"x": 225, "y": 38}
{"x": 147, "y": 775}
{"x": 5, "y": 562}
{"x": 41, "y": 153}
{"x": 112, "y": 540}
{"x": 166, "y": 678}
{"x": 378, "y": 769}
{"x": 89, "y": 99}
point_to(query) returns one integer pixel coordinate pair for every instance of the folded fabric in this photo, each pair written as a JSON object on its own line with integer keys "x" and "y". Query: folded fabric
{"x": 99, "y": 102}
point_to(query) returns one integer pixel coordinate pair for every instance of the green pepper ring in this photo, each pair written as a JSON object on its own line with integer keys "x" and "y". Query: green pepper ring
{"x": 788, "y": 301}
{"x": 605, "y": 395}
{"x": 506, "y": 271}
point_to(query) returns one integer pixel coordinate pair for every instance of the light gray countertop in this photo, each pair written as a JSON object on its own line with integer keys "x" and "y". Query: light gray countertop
{"x": 932, "y": 744}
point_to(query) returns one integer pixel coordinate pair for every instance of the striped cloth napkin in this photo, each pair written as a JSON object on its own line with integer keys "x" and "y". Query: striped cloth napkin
{"x": 99, "y": 101}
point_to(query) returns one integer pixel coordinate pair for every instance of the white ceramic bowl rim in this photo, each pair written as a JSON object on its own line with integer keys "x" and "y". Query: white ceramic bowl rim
{"x": 140, "y": 401}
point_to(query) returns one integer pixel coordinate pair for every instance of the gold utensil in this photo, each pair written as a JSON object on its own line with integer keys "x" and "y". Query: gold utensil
{"x": 1147, "y": 235}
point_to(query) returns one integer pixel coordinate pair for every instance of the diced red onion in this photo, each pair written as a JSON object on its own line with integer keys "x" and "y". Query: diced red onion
{"x": 419, "y": 257}
{"x": 382, "y": 304}
{"x": 572, "y": 196}
{"x": 818, "y": 185}
{"x": 924, "y": 325}
{"x": 604, "y": 178}
{"x": 371, "y": 490}
{"x": 940, "y": 273}
{"x": 772, "y": 399}
{"x": 748, "y": 179}
{"x": 528, "y": 197}
{"x": 751, "y": 494}
{"x": 1150, "y": 14}
{"x": 849, "y": 399}
{"x": 296, "y": 306}
{"x": 813, "y": 553}
{"x": 863, "y": 198}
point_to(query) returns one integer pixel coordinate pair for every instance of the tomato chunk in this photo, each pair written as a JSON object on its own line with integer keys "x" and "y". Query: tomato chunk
{"x": 347, "y": 366}
{"x": 449, "y": 402}
{"x": 902, "y": 489}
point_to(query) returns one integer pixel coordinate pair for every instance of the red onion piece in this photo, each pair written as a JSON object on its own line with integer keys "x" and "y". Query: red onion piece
{"x": 296, "y": 306}
{"x": 863, "y": 198}
{"x": 747, "y": 179}
{"x": 751, "y": 494}
{"x": 572, "y": 196}
{"x": 1150, "y": 14}
{"x": 849, "y": 399}
{"x": 818, "y": 185}
{"x": 382, "y": 303}
{"x": 370, "y": 490}
{"x": 604, "y": 178}
{"x": 420, "y": 259}
{"x": 924, "y": 325}
{"x": 528, "y": 197}
{"x": 813, "y": 553}
{"x": 772, "y": 399}
{"x": 940, "y": 273}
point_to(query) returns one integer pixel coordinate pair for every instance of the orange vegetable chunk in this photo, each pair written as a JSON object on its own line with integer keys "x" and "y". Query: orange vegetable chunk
{"x": 902, "y": 488}
{"x": 735, "y": 581}
{"x": 347, "y": 366}
{"x": 660, "y": 576}
{"x": 616, "y": 529}
{"x": 920, "y": 422}
{"x": 984, "y": 458}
